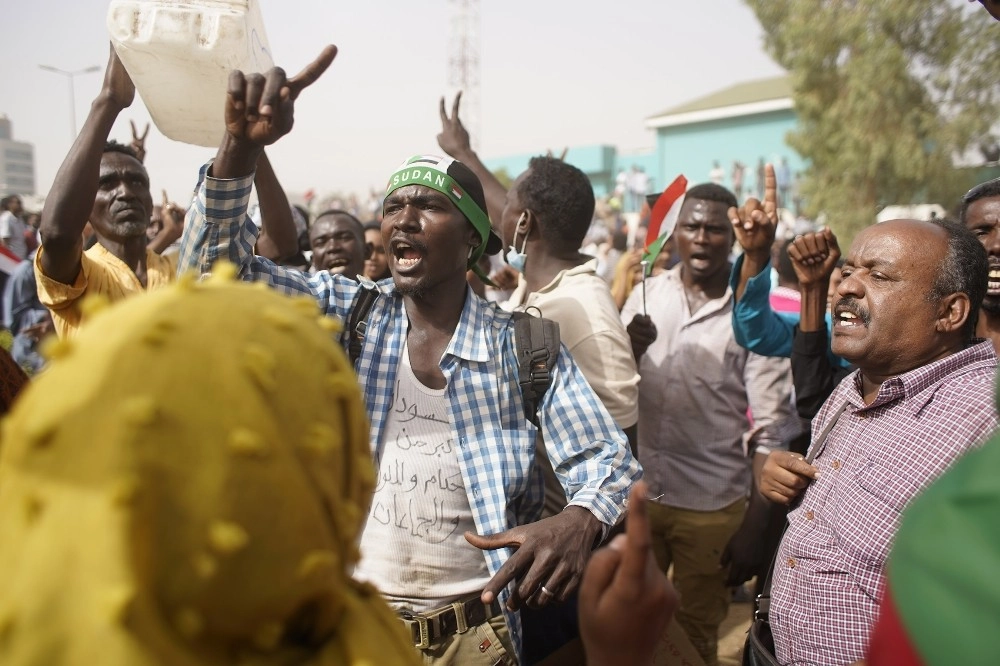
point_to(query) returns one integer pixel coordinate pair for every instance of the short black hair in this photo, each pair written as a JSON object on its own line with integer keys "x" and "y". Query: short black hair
{"x": 562, "y": 198}
{"x": 113, "y": 146}
{"x": 987, "y": 190}
{"x": 6, "y": 201}
{"x": 712, "y": 192}
{"x": 356, "y": 226}
{"x": 965, "y": 269}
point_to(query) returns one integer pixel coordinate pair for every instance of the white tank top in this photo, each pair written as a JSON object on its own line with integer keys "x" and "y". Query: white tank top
{"x": 412, "y": 548}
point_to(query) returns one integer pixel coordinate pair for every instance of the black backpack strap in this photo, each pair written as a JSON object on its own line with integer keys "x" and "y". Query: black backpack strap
{"x": 536, "y": 342}
{"x": 357, "y": 322}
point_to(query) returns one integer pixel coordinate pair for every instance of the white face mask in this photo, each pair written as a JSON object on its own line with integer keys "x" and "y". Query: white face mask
{"x": 516, "y": 259}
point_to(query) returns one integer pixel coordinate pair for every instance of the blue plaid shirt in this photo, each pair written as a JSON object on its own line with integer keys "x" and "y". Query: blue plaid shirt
{"x": 496, "y": 443}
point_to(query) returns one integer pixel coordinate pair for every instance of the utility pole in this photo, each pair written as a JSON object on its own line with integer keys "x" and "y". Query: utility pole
{"x": 463, "y": 61}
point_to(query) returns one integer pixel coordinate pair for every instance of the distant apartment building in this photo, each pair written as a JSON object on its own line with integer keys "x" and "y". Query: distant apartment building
{"x": 17, "y": 162}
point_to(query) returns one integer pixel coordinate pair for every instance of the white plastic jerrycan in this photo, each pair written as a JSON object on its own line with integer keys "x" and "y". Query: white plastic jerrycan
{"x": 180, "y": 54}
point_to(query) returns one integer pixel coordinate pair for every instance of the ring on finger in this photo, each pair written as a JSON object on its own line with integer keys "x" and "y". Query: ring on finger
{"x": 547, "y": 592}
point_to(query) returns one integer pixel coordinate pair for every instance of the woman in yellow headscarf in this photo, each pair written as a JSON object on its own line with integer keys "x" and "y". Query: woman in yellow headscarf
{"x": 185, "y": 485}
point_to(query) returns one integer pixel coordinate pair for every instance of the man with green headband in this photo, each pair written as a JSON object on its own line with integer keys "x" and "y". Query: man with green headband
{"x": 454, "y": 452}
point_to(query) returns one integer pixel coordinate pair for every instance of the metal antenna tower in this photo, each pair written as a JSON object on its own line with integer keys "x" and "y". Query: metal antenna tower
{"x": 463, "y": 63}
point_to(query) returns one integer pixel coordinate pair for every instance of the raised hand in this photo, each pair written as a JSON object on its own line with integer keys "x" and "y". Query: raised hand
{"x": 173, "y": 215}
{"x": 454, "y": 138}
{"x": 755, "y": 222}
{"x": 118, "y": 87}
{"x": 139, "y": 141}
{"x": 260, "y": 109}
{"x": 625, "y": 600}
{"x": 814, "y": 256}
{"x": 562, "y": 155}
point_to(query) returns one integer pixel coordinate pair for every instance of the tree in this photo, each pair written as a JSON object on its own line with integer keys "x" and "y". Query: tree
{"x": 888, "y": 94}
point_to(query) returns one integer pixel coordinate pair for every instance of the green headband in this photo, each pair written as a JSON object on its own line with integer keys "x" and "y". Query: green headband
{"x": 427, "y": 171}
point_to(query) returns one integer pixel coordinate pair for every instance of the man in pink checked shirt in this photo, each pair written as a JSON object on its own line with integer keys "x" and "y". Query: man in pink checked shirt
{"x": 905, "y": 315}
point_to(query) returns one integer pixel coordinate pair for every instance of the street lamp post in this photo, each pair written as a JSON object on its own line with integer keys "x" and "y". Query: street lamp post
{"x": 72, "y": 94}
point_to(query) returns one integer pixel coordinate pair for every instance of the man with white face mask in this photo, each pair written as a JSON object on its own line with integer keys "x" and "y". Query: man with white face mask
{"x": 548, "y": 211}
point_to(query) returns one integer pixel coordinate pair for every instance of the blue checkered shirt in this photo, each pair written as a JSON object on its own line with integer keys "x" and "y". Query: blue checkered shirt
{"x": 496, "y": 450}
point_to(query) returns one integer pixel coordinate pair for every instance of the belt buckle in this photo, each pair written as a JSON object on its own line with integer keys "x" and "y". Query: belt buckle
{"x": 423, "y": 629}
{"x": 425, "y": 634}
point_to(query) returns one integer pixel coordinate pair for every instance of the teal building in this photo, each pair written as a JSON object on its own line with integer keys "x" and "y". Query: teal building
{"x": 745, "y": 123}
{"x": 601, "y": 163}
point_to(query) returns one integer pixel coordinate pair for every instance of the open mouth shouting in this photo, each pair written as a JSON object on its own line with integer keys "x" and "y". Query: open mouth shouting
{"x": 993, "y": 281}
{"x": 336, "y": 264}
{"x": 406, "y": 254}
{"x": 849, "y": 314}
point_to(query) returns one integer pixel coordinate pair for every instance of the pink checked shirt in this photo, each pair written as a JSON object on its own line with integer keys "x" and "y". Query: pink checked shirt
{"x": 828, "y": 576}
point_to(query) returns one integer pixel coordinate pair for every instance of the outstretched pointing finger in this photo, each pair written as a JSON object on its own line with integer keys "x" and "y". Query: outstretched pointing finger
{"x": 770, "y": 192}
{"x": 312, "y": 71}
{"x": 638, "y": 542}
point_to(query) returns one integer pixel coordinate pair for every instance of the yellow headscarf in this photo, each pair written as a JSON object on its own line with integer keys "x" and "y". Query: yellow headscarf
{"x": 185, "y": 486}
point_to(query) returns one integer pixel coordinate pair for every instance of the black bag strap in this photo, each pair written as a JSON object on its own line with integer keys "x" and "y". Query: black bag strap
{"x": 536, "y": 341}
{"x": 357, "y": 322}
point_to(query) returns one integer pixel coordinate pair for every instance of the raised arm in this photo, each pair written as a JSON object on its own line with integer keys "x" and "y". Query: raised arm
{"x": 258, "y": 112}
{"x": 814, "y": 256}
{"x": 756, "y": 326}
{"x": 814, "y": 373}
{"x": 278, "y": 238}
{"x": 755, "y": 224}
{"x": 173, "y": 226}
{"x": 454, "y": 140}
{"x": 71, "y": 198}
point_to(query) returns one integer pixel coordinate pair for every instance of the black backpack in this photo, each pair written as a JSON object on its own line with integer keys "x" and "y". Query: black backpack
{"x": 536, "y": 342}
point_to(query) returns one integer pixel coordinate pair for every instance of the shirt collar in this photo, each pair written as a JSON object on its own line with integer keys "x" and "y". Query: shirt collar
{"x": 917, "y": 385}
{"x": 471, "y": 341}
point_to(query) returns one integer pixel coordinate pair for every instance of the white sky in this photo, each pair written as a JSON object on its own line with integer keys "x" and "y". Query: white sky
{"x": 553, "y": 74}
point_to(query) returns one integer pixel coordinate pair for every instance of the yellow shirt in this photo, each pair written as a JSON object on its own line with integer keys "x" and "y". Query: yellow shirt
{"x": 100, "y": 273}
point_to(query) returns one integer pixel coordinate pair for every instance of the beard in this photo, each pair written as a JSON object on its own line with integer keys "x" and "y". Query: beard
{"x": 415, "y": 291}
{"x": 130, "y": 229}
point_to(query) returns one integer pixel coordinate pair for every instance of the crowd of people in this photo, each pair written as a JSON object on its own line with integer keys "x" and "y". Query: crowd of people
{"x": 388, "y": 454}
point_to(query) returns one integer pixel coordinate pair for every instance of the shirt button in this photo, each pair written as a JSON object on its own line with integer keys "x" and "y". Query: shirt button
{"x": 791, "y": 562}
{"x": 475, "y": 490}
{"x": 810, "y": 515}
{"x": 835, "y": 464}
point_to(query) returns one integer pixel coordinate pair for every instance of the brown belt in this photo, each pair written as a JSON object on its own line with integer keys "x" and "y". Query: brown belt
{"x": 428, "y": 628}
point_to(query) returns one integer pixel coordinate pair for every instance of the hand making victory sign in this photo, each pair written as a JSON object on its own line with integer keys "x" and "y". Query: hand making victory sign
{"x": 139, "y": 141}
